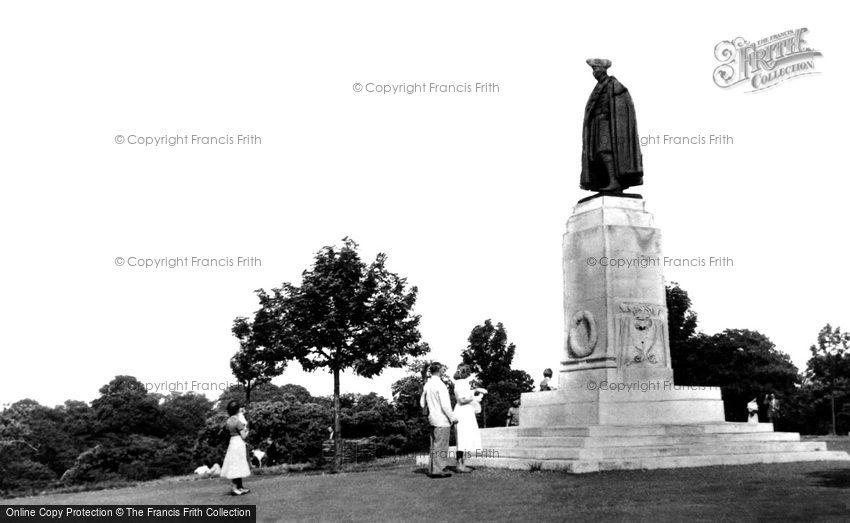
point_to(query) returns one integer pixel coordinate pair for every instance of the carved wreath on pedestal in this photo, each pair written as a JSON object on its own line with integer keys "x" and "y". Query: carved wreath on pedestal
{"x": 582, "y": 334}
{"x": 641, "y": 333}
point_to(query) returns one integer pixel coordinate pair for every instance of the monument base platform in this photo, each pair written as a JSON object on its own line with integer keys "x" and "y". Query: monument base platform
{"x": 594, "y": 448}
{"x": 642, "y": 425}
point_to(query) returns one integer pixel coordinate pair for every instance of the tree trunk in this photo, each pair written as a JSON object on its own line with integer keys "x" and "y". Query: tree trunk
{"x": 832, "y": 404}
{"x": 337, "y": 464}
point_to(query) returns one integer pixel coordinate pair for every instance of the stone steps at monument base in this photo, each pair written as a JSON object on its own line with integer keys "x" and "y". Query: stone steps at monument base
{"x": 585, "y": 466}
{"x": 490, "y": 442}
{"x": 629, "y": 430}
{"x": 624, "y": 441}
{"x": 610, "y": 447}
{"x": 603, "y": 453}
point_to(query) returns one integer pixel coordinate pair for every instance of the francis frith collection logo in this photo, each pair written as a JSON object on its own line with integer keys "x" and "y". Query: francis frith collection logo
{"x": 765, "y": 63}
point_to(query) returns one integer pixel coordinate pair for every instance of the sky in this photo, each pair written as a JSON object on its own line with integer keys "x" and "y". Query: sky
{"x": 468, "y": 193}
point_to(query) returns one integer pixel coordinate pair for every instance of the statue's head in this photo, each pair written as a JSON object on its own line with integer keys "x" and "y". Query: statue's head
{"x": 600, "y": 67}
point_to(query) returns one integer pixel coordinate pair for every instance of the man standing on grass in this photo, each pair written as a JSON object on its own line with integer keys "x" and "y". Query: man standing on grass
{"x": 436, "y": 403}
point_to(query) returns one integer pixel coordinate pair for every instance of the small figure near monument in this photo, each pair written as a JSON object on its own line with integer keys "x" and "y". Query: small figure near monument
{"x": 753, "y": 411}
{"x": 772, "y": 405}
{"x": 544, "y": 383}
{"x": 513, "y": 415}
{"x": 611, "y": 160}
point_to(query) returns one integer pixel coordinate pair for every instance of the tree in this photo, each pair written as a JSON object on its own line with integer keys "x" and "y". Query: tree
{"x": 289, "y": 432}
{"x": 134, "y": 457}
{"x": 296, "y": 393}
{"x": 18, "y": 448}
{"x": 372, "y": 416}
{"x": 681, "y": 319}
{"x": 682, "y": 326}
{"x": 344, "y": 315}
{"x": 490, "y": 356}
{"x": 125, "y": 407}
{"x": 406, "y": 393}
{"x": 211, "y": 444}
{"x": 78, "y": 419}
{"x": 183, "y": 418}
{"x": 744, "y": 363}
{"x": 253, "y": 364}
{"x": 259, "y": 392}
{"x": 829, "y": 367}
{"x": 137, "y": 435}
{"x": 47, "y": 440}
{"x": 19, "y": 451}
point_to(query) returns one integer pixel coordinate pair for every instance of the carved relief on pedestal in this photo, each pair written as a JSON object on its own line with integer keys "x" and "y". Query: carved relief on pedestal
{"x": 641, "y": 334}
{"x": 582, "y": 334}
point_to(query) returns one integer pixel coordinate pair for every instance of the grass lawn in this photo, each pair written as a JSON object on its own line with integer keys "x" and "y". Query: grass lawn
{"x": 402, "y": 492}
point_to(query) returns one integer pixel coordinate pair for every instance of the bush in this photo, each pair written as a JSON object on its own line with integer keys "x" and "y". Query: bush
{"x": 138, "y": 458}
{"x": 288, "y": 432}
{"x": 211, "y": 444}
{"x": 25, "y": 474}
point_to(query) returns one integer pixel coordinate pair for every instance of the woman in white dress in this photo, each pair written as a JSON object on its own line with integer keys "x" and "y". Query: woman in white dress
{"x": 468, "y": 436}
{"x": 753, "y": 411}
{"x": 235, "y": 465}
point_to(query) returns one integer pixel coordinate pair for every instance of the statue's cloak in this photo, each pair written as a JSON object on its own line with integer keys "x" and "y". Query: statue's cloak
{"x": 610, "y": 125}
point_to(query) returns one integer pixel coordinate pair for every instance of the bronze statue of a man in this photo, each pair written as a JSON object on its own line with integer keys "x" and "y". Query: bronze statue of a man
{"x": 610, "y": 158}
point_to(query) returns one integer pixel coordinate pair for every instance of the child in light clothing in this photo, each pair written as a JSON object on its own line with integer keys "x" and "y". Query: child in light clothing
{"x": 544, "y": 384}
{"x": 513, "y": 415}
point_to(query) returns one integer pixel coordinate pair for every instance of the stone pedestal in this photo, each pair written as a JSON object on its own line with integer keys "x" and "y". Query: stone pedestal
{"x": 617, "y": 406}
{"x": 615, "y": 310}
{"x": 616, "y": 365}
